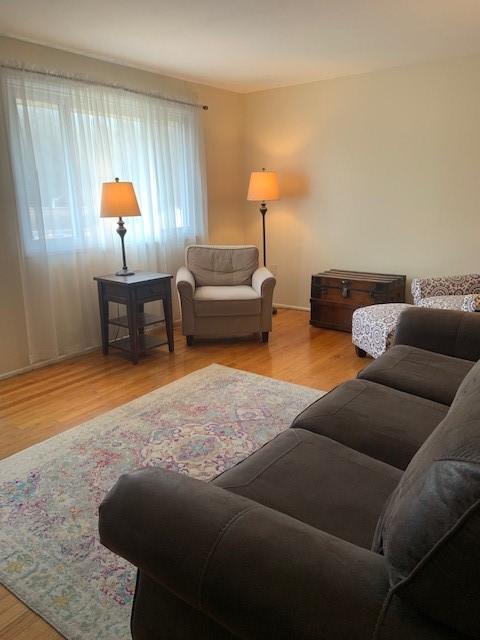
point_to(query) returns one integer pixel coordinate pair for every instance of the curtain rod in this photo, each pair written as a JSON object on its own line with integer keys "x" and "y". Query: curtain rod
{"x": 54, "y": 74}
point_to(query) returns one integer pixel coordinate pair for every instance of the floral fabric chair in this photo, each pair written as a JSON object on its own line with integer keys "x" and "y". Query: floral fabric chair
{"x": 451, "y": 292}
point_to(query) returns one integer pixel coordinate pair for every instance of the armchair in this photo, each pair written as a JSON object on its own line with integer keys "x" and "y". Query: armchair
{"x": 224, "y": 293}
{"x": 460, "y": 293}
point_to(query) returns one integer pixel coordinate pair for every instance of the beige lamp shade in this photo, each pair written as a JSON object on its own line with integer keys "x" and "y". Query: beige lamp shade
{"x": 263, "y": 186}
{"x": 118, "y": 200}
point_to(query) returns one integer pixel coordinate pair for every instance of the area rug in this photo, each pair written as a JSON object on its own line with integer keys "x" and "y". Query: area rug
{"x": 50, "y": 554}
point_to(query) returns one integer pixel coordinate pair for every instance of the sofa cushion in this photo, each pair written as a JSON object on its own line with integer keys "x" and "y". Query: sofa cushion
{"x": 422, "y": 373}
{"x": 430, "y": 529}
{"x": 318, "y": 481}
{"x": 240, "y": 300}
{"x": 382, "y": 422}
{"x": 452, "y": 333}
{"x": 221, "y": 265}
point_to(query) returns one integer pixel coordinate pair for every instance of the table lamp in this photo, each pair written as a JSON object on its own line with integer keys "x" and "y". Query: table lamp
{"x": 263, "y": 187}
{"x": 119, "y": 200}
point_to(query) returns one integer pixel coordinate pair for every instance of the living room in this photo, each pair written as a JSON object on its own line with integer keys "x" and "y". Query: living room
{"x": 350, "y": 131}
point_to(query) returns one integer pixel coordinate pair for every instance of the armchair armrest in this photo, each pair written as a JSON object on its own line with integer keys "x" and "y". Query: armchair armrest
{"x": 262, "y": 280}
{"x": 185, "y": 281}
{"x": 186, "y": 289}
{"x": 424, "y": 288}
{"x": 264, "y": 283}
{"x": 257, "y": 572}
{"x": 471, "y": 302}
{"x": 453, "y": 333}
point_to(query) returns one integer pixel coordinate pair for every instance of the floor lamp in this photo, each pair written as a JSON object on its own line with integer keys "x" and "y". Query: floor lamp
{"x": 262, "y": 188}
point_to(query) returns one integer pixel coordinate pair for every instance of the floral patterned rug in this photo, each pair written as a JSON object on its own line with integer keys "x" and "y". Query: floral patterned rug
{"x": 50, "y": 555}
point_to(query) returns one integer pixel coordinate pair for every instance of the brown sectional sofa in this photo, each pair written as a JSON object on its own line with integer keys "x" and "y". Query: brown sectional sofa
{"x": 362, "y": 521}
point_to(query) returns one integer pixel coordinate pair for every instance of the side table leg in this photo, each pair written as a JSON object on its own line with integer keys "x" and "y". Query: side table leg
{"x": 141, "y": 309}
{"x": 167, "y": 312}
{"x": 103, "y": 306}
{"x": 132, "y": 328}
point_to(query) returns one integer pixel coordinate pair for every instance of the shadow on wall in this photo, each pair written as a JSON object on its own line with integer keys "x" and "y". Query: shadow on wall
{"x": 293, "y": 185}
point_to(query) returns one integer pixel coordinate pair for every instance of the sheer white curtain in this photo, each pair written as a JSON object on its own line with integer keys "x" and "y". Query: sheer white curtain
{"x": 66, "y": 138}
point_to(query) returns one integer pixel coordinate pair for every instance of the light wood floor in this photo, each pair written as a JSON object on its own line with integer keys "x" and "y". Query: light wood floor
{"x": 42, "y": 403}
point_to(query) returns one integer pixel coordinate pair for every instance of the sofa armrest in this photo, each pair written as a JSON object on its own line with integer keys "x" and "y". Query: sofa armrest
{"x": 185, "y": 282}
{"x": 257, "y": 572}
{"x": 453, "y": 333}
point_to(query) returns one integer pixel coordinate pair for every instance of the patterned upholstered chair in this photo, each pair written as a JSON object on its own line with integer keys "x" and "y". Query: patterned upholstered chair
{"x": 451, "y": 292}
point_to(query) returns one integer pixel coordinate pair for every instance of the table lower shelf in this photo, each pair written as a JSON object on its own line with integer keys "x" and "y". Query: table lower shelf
{"x": 145, "y": 342}
{"x": 143, "y": 320}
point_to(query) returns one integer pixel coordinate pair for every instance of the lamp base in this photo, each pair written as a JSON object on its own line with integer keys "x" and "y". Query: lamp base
{"x": 124, "y": 272}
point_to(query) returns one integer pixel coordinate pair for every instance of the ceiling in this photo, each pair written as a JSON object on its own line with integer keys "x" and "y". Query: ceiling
{"x": 249, "y": 45}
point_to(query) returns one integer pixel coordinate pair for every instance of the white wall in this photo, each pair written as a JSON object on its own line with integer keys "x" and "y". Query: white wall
{"x": 379, "y": 172}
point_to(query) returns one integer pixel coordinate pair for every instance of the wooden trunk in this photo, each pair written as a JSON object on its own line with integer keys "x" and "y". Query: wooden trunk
{"x": 336, "y": 294}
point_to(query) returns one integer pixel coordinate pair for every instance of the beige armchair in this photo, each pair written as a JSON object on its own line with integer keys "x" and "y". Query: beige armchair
{"x": 223, "y": 292}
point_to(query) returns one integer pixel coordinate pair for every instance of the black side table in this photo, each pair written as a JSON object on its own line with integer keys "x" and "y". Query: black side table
{"x": 133, "y": 291}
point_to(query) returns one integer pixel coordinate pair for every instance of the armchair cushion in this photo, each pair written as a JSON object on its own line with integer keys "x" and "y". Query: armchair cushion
{"x": 240, "y": 300}
{"x": 222, "y": 265}
{"x": 454, "y": 303}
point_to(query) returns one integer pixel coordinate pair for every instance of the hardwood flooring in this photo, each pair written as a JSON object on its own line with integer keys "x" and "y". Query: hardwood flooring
{"x": 41, "y": 403}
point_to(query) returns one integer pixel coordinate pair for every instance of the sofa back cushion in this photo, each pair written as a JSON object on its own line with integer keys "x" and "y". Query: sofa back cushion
{"x": 222, "y": 265}
{"x": 430, "y": 529}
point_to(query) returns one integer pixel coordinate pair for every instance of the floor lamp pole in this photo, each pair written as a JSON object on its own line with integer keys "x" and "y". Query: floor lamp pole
{"x": 263, "y": 211}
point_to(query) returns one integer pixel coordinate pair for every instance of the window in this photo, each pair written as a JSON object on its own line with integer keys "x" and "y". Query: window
{"x": 68, "y": 137}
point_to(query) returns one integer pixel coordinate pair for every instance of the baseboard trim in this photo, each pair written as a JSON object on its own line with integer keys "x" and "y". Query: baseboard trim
{"x": 47, "y": 363}
{"x": 290, "y": 306}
